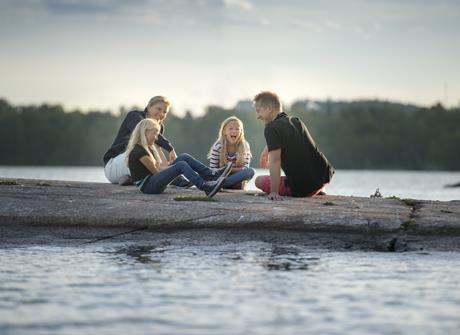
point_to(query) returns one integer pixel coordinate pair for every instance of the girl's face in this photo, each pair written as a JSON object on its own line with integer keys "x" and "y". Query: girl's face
{"x": 151, "y": 135}
{"x": 232, "y": 132}
{"x": 158, "y": 111}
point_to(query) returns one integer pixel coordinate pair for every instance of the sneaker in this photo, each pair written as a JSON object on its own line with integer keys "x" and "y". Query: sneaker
{"x": 181, "y": 181}
{"x": 222, "y": 172}
{"x": 125, "y": 180}
{"x": 212, "y": 187}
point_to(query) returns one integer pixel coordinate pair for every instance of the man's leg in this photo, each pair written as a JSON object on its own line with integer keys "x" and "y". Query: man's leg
{"x": 263, "y": 183}
{"x": 320, "y": 191}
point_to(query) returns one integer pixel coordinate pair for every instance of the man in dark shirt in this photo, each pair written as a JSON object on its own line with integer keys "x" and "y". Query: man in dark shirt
{"x": 115, "y": 167}
{"x": 289, "y": 147}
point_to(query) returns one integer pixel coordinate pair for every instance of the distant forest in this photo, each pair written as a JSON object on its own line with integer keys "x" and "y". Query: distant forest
{"x": 353, "y": 135}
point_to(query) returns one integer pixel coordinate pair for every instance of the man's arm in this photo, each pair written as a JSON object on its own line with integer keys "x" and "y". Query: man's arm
{"x": 263, "y": 161}
{"x": 274, "y": 159}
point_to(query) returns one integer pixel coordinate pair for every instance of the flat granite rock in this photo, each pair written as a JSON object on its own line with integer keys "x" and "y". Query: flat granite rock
{"x": 36, "y": 202}
{"x": 60, "y": 210}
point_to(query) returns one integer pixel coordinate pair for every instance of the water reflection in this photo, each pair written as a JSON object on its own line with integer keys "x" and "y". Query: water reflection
{"x": 285, "y": 258}
{"x": 210, "y": 286}
{"x": 142, "y": 254}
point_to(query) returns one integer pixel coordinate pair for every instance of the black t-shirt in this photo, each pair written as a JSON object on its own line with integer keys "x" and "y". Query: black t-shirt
{"x": 137, "y": 169}
{"x": 306, "y": 168}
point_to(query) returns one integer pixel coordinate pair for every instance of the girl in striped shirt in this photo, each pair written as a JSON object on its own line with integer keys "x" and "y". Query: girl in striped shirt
{"x": 232, "y": 147}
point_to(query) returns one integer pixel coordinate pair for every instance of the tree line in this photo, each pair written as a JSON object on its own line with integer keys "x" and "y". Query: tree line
{"x": 353, "y": 135}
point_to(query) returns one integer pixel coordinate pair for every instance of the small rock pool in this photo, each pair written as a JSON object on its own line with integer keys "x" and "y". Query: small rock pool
{"x": 216, "y": 283}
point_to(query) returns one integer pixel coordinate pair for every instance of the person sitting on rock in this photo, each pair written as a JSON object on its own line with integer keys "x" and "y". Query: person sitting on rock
{"x": 289, "y": 147}
{"x": 152, "y": 175}
{"x": 115, "y": 168}
{"x": 232, "y": 147}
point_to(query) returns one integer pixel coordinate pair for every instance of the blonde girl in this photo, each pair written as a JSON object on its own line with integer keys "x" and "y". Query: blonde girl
{"x": 152, "y": 174}
{"x": 231, "y": 147}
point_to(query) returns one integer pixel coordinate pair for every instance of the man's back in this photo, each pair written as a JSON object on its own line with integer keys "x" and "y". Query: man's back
{"x": 306, "y": 168}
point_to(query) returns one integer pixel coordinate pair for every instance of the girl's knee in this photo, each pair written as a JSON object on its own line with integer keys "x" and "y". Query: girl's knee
{"x": 250, "y": 172}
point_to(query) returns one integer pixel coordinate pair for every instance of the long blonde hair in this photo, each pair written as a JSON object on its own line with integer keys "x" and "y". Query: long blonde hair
{"x": 242, "y": 147}
{"x": 138, "y": 137}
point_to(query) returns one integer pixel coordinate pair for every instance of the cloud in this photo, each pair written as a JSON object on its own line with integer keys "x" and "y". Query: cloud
{"x": 243, "y": 5}
{"x": 84, "y": 7}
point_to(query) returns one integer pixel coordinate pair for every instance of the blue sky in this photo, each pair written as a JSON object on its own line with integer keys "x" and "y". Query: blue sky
{"x": 107, "y": 53}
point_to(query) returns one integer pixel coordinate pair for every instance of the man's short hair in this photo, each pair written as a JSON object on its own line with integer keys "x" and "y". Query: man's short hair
{"x": 267, "y": 98}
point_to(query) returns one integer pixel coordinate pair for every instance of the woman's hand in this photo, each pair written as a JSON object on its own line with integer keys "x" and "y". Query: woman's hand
{"x": 172, "y": 156}
{"x": 162, "y": 168}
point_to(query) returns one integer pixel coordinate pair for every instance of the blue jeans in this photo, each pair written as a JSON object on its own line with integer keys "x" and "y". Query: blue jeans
{"x": 245, "y": 173}
{"x": 192, "y": 169}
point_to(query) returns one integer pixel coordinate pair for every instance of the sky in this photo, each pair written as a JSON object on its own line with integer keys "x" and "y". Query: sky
{"x": 104, "y": 54}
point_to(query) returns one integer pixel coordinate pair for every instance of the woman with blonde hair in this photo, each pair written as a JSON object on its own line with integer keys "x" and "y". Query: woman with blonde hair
{"x": 152, "y": 175}
{"x": 231, "y": 147}
{"x": 115, "y": 169}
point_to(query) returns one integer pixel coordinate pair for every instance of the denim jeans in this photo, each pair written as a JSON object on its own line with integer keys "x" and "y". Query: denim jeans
{"x": 192, "y": 169}
{"x": 245, "y": 173}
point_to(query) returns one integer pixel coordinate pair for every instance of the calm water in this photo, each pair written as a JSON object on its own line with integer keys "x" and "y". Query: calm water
{"x": 246, "y": 287}
{"x": 242, "y": 285}
{"x": 404, "y": 184}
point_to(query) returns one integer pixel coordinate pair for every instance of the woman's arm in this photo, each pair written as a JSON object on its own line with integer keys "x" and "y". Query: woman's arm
{"x": 163, "y": 142}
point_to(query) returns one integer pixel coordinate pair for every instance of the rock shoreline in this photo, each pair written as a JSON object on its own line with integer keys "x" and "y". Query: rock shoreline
{"x": 388, "y": 223}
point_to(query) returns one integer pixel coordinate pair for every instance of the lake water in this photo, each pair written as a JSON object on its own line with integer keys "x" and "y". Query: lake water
{"x": 195, "y": 282}
{"x": 404, "y": 184}
{"x": 194, "y": 285}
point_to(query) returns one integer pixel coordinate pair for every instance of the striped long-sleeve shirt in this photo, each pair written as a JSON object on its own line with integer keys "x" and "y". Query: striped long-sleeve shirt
{"x": 214, "y": 156}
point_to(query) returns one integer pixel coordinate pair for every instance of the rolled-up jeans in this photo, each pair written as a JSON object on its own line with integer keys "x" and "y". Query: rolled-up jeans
{"x": 192, "y": 169}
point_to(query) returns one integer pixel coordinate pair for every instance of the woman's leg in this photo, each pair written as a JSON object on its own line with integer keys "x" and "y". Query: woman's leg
{"x": 203, "y": 170}
{"x": 242, "y": 175}
{"x": 116, "y": 168}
